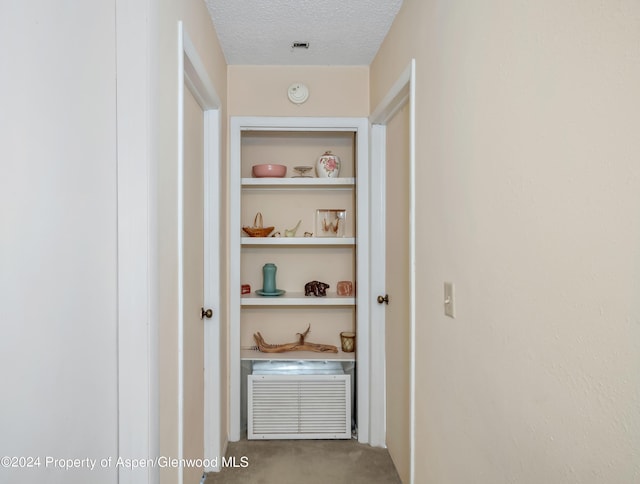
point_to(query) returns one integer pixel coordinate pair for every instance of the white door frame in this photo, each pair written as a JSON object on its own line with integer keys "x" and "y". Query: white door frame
{"x": 401, "y": 93}
{"x": 193, "y": 74}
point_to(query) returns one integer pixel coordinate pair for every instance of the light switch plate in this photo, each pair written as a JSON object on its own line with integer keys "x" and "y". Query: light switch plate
{"x": 449, "y": 300}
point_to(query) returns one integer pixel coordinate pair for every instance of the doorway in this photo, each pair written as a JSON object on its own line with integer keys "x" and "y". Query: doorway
{"x": 393, "y": 283}
{"x": 193, "y": 286}
{"x": 397, "y": 317}
{"x": 199, "y": 432}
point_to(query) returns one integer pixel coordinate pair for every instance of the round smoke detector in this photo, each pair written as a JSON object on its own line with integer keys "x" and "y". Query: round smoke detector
{"x": 298, "y": 93}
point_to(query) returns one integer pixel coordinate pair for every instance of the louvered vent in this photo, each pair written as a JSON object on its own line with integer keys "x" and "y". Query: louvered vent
{"x": 299, "y": 407}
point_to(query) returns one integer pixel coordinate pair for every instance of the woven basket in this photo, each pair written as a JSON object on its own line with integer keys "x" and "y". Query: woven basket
{"x": 258, "y": 230}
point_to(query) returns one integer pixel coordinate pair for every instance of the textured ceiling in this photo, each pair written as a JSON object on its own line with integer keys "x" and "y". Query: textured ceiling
{"x": 339, "y": 32}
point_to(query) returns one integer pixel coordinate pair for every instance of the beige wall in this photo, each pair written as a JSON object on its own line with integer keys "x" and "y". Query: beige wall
{"x": 334, "y": 91}
{"x": 164, "y": 115}
{"x": 527, "y": 167}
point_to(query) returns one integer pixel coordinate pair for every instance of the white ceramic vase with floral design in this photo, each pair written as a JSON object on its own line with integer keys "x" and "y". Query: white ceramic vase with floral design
{"x": 328, "y": 166}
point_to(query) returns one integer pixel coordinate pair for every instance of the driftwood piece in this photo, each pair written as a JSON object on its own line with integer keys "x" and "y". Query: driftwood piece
{"x": 300, "y": 345}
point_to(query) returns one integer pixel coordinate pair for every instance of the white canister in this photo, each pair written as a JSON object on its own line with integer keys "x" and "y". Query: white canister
{"x": 328, "y": 166}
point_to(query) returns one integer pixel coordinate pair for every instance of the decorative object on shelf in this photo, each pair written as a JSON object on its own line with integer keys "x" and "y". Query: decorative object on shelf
{"x": 348, "y": 341}
{"x": 330, "y": 222}
{"x": 269, "y": 277}
{"x": 297, "y": 92}
{"x": 345, "y": 288}
{"x": 308, "y": 234}
{"x": 328, "y": 166}
{"x": 258, "y": 230}
{"x": 268, "y": 170}
{"x": 303, "y": 171}
{"x": 245, "y": 289}
{"x": 292, "y": 232}
{"x": 276, "y": 293}
{"x": 316, "y": 288}
{"x": 269, "y": 281}
{"x": 300, "y": 345}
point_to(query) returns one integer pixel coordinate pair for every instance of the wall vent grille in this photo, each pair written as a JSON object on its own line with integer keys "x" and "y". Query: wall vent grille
{"x": 299, "y": 407}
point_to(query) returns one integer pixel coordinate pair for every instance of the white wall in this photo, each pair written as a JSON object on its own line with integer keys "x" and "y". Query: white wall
{"x": 88, "y": 181}
{"x": 528, "y": 177}
{"x": 58, "y": 277}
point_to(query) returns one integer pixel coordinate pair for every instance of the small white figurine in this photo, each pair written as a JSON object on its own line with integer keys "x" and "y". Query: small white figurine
{"x": 292, "y": 232}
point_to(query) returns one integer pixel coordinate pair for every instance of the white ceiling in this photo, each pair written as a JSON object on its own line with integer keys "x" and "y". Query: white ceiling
{"x": 339, "y": 32}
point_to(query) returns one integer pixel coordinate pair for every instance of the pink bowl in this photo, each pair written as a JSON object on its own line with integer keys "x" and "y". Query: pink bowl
{"x": 268, "y": 170}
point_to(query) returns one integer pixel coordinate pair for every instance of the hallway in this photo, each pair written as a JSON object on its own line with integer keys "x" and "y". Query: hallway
{"x": 305, "y": 462}
{"x": 523, "y": 197}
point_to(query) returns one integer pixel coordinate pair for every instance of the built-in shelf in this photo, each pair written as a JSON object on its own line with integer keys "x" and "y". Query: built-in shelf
{"x": 297, "y": 299}
{"x": 299, "y": 241}
{"x": 299, "y": 182}
{"x": 285, "y": 200}
{"x": 297, "y": 355}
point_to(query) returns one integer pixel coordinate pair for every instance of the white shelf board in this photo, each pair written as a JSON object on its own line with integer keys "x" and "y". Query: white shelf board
{"x": 297, "y": 299}
{"x": 299, "y": 182}
{"x": 289, "y": 241}
{"x": 297, "y": 355}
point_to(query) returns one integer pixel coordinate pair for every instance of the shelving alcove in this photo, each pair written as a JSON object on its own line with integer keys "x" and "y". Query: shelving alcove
{"x": 298, "y": 141}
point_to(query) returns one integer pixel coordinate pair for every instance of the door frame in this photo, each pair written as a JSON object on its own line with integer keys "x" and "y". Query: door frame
{"x": 401, "y": 93}
{"x": 193, "y": 74}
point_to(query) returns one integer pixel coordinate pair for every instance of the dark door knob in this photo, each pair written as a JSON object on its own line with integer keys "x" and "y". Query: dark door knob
{"x": 383, "y": 299}
{"x": 206, "y": 313}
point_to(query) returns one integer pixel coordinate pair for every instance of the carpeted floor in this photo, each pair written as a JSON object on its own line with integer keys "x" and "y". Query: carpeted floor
{"x": 306, "y": 462}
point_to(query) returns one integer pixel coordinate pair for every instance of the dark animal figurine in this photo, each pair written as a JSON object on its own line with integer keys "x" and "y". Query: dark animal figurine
{"x": 315, "y": 288}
